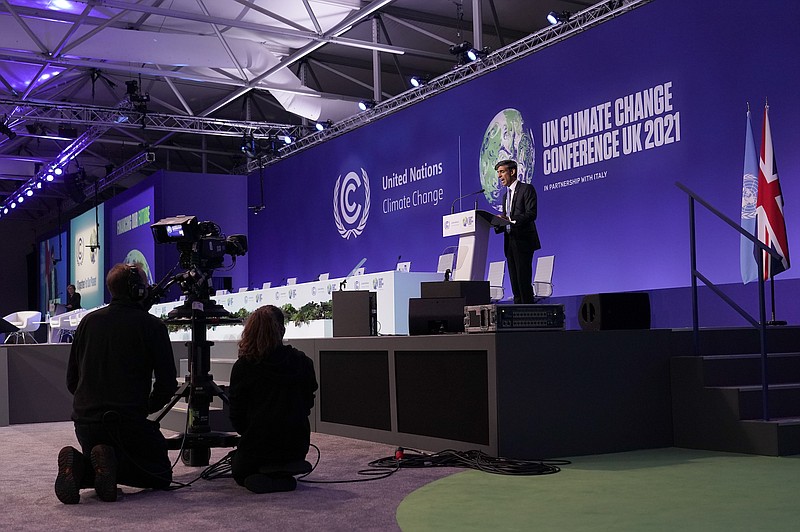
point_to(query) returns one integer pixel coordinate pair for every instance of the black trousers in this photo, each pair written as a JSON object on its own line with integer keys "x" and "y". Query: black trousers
{"x": 520, "y": 269}
{"x": 140, "y": 448}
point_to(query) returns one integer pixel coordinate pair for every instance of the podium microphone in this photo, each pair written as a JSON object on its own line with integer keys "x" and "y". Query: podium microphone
{"x": 453, "y": 206}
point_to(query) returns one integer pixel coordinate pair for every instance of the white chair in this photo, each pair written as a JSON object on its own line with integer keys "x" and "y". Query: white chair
{"x": 266, "y": 285}
{"x": 445, "y": 262}
{"x": 242, "y": 289}
{"x": 324, "y": 277}
{"x": 291, "y": 281}
{"x": 222, "y": 292}
{"x": 496, "y": 276}
{"x": 404, "y": 266}
{"x": 543, "y": 278}
{"x": 27, "y": 321}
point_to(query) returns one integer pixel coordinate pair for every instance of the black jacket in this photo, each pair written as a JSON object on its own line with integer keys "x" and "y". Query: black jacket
{"x": 270, "y": 401}
{"x": 116, "y": 351}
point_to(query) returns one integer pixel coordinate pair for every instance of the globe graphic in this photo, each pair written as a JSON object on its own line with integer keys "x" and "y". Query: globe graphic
{"x": 505, "y": 138}
{"x": 135, "y": 256}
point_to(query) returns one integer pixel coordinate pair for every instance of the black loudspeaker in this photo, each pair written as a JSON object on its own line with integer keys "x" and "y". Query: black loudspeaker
{"x": 436, "y": 315}
{"x": 603, "y": 312}
{"x": 75, "y": 183}
{"x": 355, "y": 313}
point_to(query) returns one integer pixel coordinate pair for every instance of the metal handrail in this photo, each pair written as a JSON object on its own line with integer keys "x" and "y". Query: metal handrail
{"x": 761, "y": 324}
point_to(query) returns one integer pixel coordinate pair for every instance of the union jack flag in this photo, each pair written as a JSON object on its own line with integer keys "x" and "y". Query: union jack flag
{"x": 769, "y": 207}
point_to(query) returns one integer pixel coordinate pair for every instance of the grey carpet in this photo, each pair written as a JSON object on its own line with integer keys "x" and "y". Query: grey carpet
{"x": 29, "y": 468}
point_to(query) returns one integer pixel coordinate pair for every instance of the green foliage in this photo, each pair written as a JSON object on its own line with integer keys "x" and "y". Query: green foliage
{"x": 306, "y": 313}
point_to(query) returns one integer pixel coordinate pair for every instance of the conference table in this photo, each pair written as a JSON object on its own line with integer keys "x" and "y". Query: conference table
{"x": 393, "y": 288}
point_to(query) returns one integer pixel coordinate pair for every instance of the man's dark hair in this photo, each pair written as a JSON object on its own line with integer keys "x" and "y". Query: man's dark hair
{"x": 508, "y": 163}
{"x": 118, "y": 280}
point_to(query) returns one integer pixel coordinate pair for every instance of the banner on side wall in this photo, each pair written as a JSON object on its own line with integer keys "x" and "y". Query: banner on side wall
{"x": 52, "y": 272}
{"x": 130, "y": 240}
{"x": 87, "y": 237}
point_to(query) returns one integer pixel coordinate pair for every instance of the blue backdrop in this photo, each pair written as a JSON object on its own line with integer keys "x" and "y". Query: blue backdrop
{"x": 605, "y": 121}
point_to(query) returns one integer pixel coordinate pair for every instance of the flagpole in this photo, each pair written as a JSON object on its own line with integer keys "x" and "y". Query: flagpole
{"x": 773, "y": 321}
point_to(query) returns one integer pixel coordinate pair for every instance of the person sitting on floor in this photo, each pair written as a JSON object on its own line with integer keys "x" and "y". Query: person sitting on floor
{"x": 272, "y": 390}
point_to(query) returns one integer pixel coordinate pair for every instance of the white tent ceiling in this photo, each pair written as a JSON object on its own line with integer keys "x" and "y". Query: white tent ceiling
{"x": 209, "y": 69}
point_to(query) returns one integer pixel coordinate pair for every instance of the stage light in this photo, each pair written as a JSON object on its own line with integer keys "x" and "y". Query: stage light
{"x": 29, "y": 192}
{"x": 474, "y": 55}
{"x": 458, "y": 49}
{"x": 5, "y": 210}
{"x": 58, "y": 171}
{"x": 366, "y": 104}
{"x": 323, "y": 125}
{"x": 38, "y": 184}
{"x": 418, "y": 81}
{"x": 13, "y": 205}
{"x": 554, "y": 17}
{"x": 287, "y": 139}
{"x": 49, "y": 177}
{"x": 248, "y": 146}
{"x": 21, "y": 199}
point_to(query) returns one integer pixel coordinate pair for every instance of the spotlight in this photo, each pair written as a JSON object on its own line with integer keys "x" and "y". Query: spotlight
{"x": 555, "y": 17}
{"x": 287, "y": 139}
{"x": 58, "y": 171}
{"x": 29, "y": 192}
{"x": 38, "y": 184}
{"x": 5, "y": 210}
{"x": 13, "y": 205}
{"x": 366, "y": 104}
{"x": 323, "y": 125}
{"x": 21, "y": 199}
{"x": 248, "y": 146}
{"x": 49, "y": 177}
{"x": 458, "y": 49}
{"x": 418, "y": 81}
{"x": 474, "y": 55}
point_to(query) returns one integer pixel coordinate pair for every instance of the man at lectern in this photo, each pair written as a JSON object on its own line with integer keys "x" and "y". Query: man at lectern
{"x": 73, "y": 298}
{"x": 520, "y": 238}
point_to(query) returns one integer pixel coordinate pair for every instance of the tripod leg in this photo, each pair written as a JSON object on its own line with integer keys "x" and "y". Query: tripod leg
{"x": 181, "y": 393}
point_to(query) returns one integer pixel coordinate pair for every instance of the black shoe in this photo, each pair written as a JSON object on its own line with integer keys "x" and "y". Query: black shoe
{"x": 288, "y": 469}
{"x": 104, "y": 462}
{"x": 70, "y": 474}
{"x": 259, "y": 483}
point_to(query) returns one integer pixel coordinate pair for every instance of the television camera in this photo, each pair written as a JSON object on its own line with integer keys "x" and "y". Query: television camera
{"x": 202, "y": 248}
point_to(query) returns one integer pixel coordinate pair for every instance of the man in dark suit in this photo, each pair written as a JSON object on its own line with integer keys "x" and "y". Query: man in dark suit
{"x": 520, "y": 238}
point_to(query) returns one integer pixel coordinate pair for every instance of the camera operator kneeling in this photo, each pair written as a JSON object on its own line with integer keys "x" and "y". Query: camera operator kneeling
{"x": 116, "y": 352}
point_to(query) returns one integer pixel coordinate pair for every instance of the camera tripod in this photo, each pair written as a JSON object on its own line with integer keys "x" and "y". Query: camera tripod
{"x": 199, "y": 389}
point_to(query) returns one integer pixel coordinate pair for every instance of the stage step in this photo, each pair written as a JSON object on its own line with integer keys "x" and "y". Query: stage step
{"x": 717, "y": 403}
{"x": 738, "y": 370}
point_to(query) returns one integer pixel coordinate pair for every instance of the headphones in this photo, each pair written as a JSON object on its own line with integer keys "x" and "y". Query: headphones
{"x": 136, "y": 288}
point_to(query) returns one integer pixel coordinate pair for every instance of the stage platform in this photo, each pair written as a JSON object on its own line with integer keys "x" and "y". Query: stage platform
{"x": 515, "y": 394}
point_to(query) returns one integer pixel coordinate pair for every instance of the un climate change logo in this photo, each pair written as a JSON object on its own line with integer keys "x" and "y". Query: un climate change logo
{"x": 350, "y": 208}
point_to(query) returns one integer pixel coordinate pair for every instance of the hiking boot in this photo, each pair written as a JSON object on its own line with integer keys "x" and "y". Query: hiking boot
{"x": 104, "y": 462}
{"x": 70, "y": 474}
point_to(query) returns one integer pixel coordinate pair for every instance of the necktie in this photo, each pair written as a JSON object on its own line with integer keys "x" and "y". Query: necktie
{"x": 508, "y": 208}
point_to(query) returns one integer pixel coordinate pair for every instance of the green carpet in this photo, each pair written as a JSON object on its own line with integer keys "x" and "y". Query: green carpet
{"x": 661, "y": 489}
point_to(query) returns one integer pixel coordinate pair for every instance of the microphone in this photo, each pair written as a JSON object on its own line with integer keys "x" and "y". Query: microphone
{"x": 453, "y": 206}
{"x": 447, "y": 273}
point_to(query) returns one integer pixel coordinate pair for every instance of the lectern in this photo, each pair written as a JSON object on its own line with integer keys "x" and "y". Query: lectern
{"x": 472, "y": 228}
